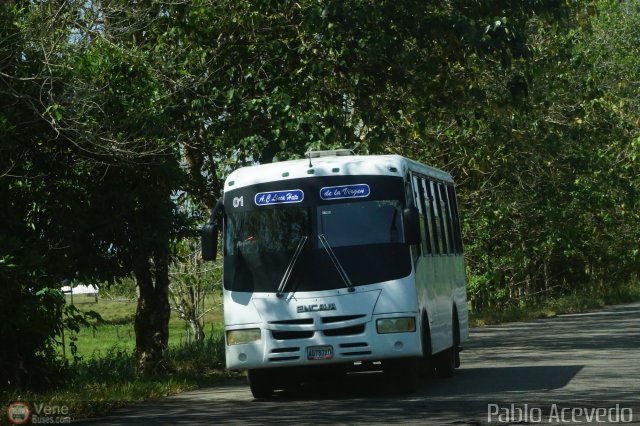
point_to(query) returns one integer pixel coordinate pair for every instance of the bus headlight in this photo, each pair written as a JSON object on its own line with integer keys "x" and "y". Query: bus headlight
{"x": 247, "y": 335}
{"x": 396, "y": 325}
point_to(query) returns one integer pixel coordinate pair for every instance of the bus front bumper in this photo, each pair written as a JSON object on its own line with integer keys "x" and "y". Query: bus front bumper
{"x": 300, "y": 347}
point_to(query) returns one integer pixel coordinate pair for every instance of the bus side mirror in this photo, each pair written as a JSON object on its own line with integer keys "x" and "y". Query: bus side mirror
{"x": 411, "y": 225}
{"x": 209, "y": 239}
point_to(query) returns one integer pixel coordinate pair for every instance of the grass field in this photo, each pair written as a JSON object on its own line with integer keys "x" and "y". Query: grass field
{"x": 117, "y": 332}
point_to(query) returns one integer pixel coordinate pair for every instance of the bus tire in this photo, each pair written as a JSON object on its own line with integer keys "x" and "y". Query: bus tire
{"x": 449, "y": 359}
{"x": 456, "y": 337}
{"x": 261, "y": 383}
{"x": 446, "y": 362}
{"x": 427, "y": 370}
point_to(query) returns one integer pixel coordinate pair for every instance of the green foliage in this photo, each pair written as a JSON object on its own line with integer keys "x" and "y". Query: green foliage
{"x": 542, "y": 146}
{"x": 30, "y": 351}
{"x": 193, "y": 281}
{"x": 198, "y": 357}
{"x": 95, "y": 386}
{"x": 73, "y": 320}
{"x": 578, "y": 301}
{"x": 119, "y": 366}
{"x": 114, "y": 366}
{"x": 124, "y": 288}
{"x": 29, "y": 338}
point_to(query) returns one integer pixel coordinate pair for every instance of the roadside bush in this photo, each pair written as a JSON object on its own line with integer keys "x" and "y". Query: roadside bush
{"x": 120, "y": 289}
{"x": 115, "y": 366}
{"x": 119, "y": 366}
{"x": 198, "y": 357}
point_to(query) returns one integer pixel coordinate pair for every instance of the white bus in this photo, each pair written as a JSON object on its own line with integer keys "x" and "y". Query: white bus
{"x": 340, "y": 262}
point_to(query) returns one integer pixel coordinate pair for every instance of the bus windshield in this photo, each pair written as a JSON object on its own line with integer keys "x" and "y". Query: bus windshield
{"x": 366, "y": 236}
{"x": 353, "y": 224}
{"x": 266, "y": 231}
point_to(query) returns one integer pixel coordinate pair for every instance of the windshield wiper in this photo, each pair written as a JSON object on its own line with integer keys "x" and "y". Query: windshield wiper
{"x": 336, "y": 262}
{"x": 292, "y": 264}
{"x": 393, "y": 230}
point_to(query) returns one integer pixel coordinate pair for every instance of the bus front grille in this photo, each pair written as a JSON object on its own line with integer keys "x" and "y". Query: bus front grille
{"x": 285, "y": 350}
{"x": 344, "y": 331}
{"x": 354, "y": 349}
{"x": 289, "y": 335}
{"x": 299, "y": 321}
{"x": 340, "y": 318}
{"x": 284, "y": 358}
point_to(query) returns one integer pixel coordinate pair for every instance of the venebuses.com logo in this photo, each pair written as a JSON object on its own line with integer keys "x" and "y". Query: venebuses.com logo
{"x": 18, "y": 413}
{"x": 21, "y": 413}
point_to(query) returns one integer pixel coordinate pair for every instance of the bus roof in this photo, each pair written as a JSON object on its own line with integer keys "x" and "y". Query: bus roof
{"x": 349, "y": 165}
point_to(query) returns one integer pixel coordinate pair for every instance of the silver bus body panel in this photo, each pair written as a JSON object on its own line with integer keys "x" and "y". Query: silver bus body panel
{"x": 391, "y": 299}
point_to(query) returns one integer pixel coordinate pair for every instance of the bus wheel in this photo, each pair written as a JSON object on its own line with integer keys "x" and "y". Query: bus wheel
{"x": 448, "y": 360}
{"x": 402, "y": 374}
{"x": 261, "y": 383}
{"x": 427, "y": 368}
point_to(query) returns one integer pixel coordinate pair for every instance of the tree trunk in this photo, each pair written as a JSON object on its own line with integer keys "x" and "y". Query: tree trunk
{"x": 196, "y": 327}
{"x": 151, "y": 268}
{"x": 152, "y": 314}
{"x": 194, "y": 323}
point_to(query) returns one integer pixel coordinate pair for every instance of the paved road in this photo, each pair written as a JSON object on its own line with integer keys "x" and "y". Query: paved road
{"x": 579, "y": 363}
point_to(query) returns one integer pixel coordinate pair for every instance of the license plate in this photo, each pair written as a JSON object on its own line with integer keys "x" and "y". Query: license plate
{"x": 315, "y": 353}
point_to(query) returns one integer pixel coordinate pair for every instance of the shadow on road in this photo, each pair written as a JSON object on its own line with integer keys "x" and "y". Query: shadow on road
{"x": 354, "y": 398}
{"x": 467, "y": 382}
{"x": 483, "y": 381}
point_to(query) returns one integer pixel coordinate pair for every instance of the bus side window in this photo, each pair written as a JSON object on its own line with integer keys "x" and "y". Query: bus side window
{"x": 426, "y": 243}
{"x": 457, "y": 226}
{"x": 416, "y": 201}
{"x": 446, "y": 217}
{"x": 435, "y": 219}
{"x": 428, "y": 217}
{"x": 441, "y": 213}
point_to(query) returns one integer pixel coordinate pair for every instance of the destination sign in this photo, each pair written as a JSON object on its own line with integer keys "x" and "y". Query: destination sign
{"x": 345, "y": 191}
{"x": 279, "y": 197}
